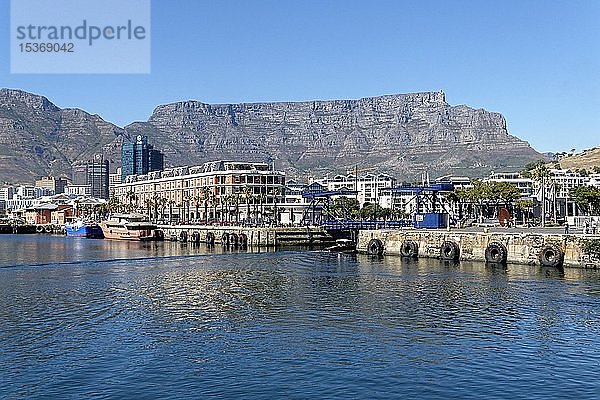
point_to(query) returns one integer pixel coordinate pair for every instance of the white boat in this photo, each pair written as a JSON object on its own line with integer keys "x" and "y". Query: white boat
{"x": 343, "y": 246}
{"x": 129, "y": 227}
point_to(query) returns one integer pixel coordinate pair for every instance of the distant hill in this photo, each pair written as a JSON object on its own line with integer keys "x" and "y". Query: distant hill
{"x": 403, "y": 134}
{"x": 38, "y": 138}
{"x": 587, "y": 160}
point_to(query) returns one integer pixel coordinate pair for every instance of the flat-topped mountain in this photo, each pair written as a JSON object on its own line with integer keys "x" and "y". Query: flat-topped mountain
{"x": 403, "y": 134}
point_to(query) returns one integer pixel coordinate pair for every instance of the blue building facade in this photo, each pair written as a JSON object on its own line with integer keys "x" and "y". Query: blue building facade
{"x": 140, "y": 157}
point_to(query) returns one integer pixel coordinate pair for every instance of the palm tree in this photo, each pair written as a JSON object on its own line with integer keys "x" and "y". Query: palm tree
{"x": 171, "y": 203}
{"x": 248, "y": 195}
{"x": 113, "y": 204}
{"x": 261, "y": 201}
{"x": 131, "y": 198}
{"x": 236, "y": 201}
{"x": 149, "y": 203}
{"x": 213, "y": 202}
{"x": 205, "y": 193}
{"x": 186, "y": 203}
{"x": 163, "y": 203}
{"x": 197, "y": 199}
{"x": 275, "y": 192}
{"x": 156, "y": 200}
{"x": 540, "y": 174}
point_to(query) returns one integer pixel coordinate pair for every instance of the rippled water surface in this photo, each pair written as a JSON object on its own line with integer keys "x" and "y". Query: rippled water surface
{"x": 92, "y": 318}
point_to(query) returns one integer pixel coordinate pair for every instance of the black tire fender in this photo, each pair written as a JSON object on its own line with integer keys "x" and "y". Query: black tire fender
{"x": 496, "y": 252}
{"x": 210, "y": 238}
{"x": 183, "y": 236}
{"x": 233, "y": 239}
{"x": 375, "y": 247}
{"x": 449, "y": 250}
{"x": 409, "y": 248}
{"x": 243, "y": 240}
{"x": 551, "y": 255}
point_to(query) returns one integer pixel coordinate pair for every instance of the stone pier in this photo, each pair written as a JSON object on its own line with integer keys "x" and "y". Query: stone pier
{"x": 248, "y": 236}
{"x": 517, "y": 248}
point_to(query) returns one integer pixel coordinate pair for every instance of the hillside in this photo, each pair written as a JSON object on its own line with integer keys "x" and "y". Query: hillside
{"x": 587, "y": 160}
{"x": 402, "y": 134}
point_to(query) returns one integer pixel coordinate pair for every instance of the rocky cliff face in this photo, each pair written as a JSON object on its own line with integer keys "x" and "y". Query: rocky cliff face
{"x": 403, "y": 134}
{"x": 400, "y": 134}
{"x": 37, "y": 138}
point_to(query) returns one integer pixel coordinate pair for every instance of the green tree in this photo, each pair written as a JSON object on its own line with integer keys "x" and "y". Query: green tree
{"x": 344, "y": 207}
{"x": 530, "y": 167}
{"x": 524, "y": 206}
{"x": 587, "y": 198}
{"x": 372, "y": 211}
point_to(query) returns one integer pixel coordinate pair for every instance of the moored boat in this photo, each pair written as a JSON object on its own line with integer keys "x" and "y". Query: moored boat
{"x": 80, "y": 228}
{"x": 129, "y": 227}
{"x": 343, "y": 246}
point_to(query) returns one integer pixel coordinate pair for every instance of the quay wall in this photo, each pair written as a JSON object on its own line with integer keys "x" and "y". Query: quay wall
{"x": 250, "y": 236}
{"x": 521, "y": 248}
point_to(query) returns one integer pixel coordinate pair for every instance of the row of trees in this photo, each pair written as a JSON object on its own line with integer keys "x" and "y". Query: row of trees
{"x": 587, "y": 198}
{"x": 205, "y": 206}
{"x": 349, "y": 208}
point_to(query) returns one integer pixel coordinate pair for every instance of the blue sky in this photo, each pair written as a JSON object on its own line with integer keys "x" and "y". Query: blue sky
{"x": 536, "y": 62}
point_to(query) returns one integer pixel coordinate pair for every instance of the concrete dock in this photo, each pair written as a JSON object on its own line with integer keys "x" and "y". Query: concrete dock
{"x": 498, "y": 246}
{"x": 248, "y": 236}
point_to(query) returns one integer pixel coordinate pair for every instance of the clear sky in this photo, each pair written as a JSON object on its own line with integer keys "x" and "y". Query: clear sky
{"x": 537, "y": 62}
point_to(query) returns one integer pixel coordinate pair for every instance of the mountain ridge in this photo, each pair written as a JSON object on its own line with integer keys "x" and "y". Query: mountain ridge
{"x": 403, "y": 134}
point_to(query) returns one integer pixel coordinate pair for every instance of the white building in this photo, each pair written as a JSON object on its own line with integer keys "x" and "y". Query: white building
{"x": 79, "y": 190}
{"x": 24, "y": 192}
{"x": 525, "y": 185}
{"x": 113, "y": 181}
{"x": 233, "y": 188}
{"x": 368, "y": 186}
{"x": 459, "y": 182}
{"x": 7, "y": 193}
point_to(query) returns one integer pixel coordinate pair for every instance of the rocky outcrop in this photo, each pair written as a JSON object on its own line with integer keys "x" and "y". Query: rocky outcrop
{"x": 404, "y": 134}
{"x": 401, "y": 134}
{"x": 38, "y": 138}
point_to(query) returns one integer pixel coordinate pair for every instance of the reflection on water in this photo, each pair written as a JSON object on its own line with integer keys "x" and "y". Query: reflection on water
{"x": 298, "y": 324}
{"x": 42, "y": 249}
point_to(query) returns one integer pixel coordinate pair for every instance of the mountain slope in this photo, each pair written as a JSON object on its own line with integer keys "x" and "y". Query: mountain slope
{"x": 38, "y": 138}
{"x": 587, "y": 160}
{"x": 401, "y": 134}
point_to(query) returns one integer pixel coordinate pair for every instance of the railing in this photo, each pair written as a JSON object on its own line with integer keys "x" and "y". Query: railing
{"x": 353, "y": 224}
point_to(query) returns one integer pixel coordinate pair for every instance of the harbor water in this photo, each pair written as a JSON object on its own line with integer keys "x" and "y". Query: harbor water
{"x": 87, "y": 318}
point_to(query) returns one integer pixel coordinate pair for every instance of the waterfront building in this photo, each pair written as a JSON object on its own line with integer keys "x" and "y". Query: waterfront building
{"x": 368, "y": 186}
{"x": 558, "y": 185}
{"x": 525, "y": 185}
{"x": 79, "y": 190}
{"x": 18, "y": 203}
{"x": 296, "y": 192}
{"x": 56, "y": 185}
{"x": 139, "y": 158}
{"x": 410, "y": 199}
{"x": 459, "y": 182}
{"x": 113, "y": 180}
{"x": 92, "y": 174}
{"x": 24, "y": 192}
{"x": 225, "y": 189}
{"x": 7, "y": 193}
